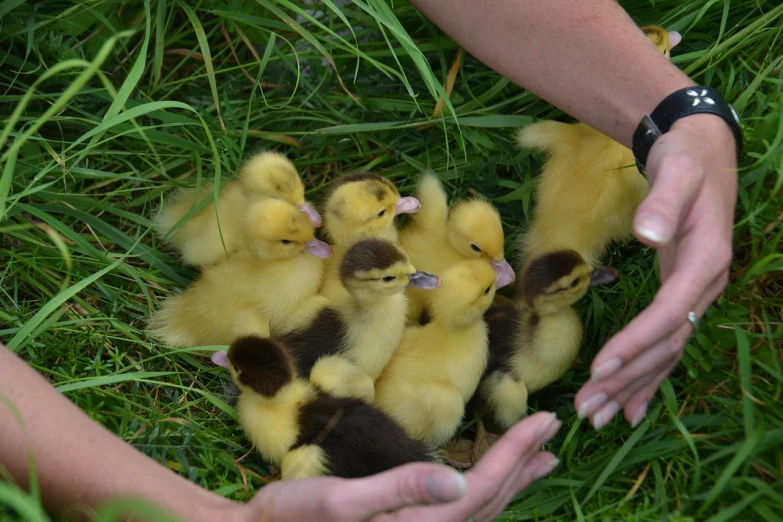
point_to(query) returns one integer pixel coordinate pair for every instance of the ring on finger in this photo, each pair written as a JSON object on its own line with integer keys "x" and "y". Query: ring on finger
{"x": 694, "y": 320}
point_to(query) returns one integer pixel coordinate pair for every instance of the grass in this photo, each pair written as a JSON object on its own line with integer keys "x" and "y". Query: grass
{"x": 107, "y": 105}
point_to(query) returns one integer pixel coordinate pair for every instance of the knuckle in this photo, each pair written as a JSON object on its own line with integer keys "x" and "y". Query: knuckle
{"x": 681, "y": 162}
{"x": 333, "y": 506}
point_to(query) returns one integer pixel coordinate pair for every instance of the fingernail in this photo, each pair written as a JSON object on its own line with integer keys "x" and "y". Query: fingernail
{"x": 596, "y": 401}
{"x": 547, "y": 468}
{"x": 605, "y": 414}
{"x": 639, "y": 416}
{"x": 653, "y": 227}
{"x": 607, "y": 369}
{"x": 548, "y": 428}
{"x": 446, "y": 486}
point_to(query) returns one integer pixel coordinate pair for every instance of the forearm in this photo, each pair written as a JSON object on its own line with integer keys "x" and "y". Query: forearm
{"x": 586, "y": 57}
{"x": 77, "y": 461}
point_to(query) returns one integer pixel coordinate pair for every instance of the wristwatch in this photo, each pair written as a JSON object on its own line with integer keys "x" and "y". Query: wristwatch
{"x": 684, "y": 102}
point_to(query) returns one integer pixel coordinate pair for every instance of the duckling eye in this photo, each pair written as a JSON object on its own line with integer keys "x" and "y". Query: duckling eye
{"x": 381, "y": 213}
{"x": 389, "y": 279}
{"x": 286, "y": 241}
{"x": 574, "y": 283}
{"x": 475, "y": 247}
{"x": 488, "y": 289}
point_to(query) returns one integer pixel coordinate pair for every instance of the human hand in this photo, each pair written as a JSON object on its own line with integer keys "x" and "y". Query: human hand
{"x": 419, "y": 491}
{"x": 688, "y": 216}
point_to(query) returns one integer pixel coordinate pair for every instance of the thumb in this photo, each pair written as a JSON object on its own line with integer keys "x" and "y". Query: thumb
{"x": 675, "y": 178}
{"x": 414, "y": 484}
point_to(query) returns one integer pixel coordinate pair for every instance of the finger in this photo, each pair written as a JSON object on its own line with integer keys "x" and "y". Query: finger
{"x": 540, "y": 465}
{"x": 636, "y": 406}
{"x": 608, "y": 396}
{"x": 676, "y": 177}
{"x": 515, "y": 448}
{"x": 697, "y": 268}
{"x": 409, "y": 485}
{"x": 602, "y": 400}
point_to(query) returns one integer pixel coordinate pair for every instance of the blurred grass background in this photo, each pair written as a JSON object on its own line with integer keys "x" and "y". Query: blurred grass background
{"x": 107, "y": 105}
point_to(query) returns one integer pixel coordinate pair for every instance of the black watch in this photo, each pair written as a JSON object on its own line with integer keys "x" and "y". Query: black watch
{"x": 691, "y": 100}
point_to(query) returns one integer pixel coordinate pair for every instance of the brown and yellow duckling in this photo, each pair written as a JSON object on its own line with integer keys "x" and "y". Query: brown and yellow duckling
{"x": 306, "y": 432}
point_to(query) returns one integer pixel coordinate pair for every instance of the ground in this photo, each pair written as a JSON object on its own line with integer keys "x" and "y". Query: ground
{"x": 108, "y": 105}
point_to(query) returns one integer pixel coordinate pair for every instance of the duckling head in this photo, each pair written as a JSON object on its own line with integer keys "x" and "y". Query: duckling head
{"x": 663, "y": 40}
{"x": 257, "y": 365}
{"x": 364, "y": 205}
{"x": 466, "y": 292}
{"x": 377, "y": 267}
{"x": 272, "y": 175}
{"x": 556, "y": 280}
{"x": 475, "y": 231}
{"x": 276, "y": 229}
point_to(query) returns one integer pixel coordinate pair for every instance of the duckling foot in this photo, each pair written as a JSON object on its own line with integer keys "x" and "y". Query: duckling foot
{"x": 483, "y": 441}
{"x": 459, "y": 454}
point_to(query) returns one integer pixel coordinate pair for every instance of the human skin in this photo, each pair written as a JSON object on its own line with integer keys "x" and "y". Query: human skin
{"x": 80, "y": 465}
{"x": 589, "y": 59}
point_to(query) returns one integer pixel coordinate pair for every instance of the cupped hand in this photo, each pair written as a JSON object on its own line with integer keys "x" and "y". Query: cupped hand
{"x": 420, "y": 491}
{"x": 688, "y": 217}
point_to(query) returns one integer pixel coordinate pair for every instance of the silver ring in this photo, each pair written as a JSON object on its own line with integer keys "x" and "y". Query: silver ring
{"x": 694, "y": 320}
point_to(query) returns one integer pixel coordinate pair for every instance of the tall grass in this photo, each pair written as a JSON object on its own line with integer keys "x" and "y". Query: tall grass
{"x": 107, "y": 105}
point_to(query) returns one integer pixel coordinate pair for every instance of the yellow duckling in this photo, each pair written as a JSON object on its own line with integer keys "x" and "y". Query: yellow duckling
{"x": 437, "y": 239}
{"x": 201, "y": 238}
{"x": 589, "y": 188}
{"x": 438, "y": 366}
{"x": 360, "y": 206}
{"x": 306, "y": 432}
{"x": 534, "y": 340}
{"x": 348, "y": 344}
{"x": 257, "y": 290}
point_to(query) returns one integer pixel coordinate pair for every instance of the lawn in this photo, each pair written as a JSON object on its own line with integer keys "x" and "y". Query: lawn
{"x": 107, "y": 105}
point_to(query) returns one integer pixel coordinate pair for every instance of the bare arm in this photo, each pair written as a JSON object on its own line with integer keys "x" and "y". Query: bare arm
{"x": 566, "y": 52}
{"x": 77, "y": 461}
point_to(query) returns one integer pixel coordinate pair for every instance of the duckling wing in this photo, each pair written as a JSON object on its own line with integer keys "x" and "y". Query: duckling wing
{"x": 323, "y": 337}
{"x": 434, "y": 204}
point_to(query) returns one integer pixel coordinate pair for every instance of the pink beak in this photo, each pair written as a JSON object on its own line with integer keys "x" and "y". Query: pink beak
{"x": 312, "y": 214}
{"x": 407, "y": 205}
{"x": 674, "y": 38}
{"x": 220, "y": 359}
{"x": 505, "y": 274}
{"x": 319, "y": 249}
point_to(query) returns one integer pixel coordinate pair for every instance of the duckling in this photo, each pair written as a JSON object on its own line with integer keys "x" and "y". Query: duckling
{"x": 201, "y": 238}
{"x": 255, "y": 291}
{"x": 535, "y": 339}
{"x": 306, "y": 432}
{"x": 438, "y": 366}
{"x": 348, "y": 343}
{"x": 589, "y": 188}
{"x": 360, "y": 205}
{"x": 436, "y": 239}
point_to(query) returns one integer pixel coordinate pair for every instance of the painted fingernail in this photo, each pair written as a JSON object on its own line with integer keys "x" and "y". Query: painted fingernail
{"x": 639, "y": 416}
{"x": 607, "y": 369}
{"x": 446, "y": 486}
{"x": 547, "y": 468}
{"x": 653, "y": 227}
{"x": 593, "y": 403}
{"x": 548, "y": 428}
{"x": 605, "y": 414}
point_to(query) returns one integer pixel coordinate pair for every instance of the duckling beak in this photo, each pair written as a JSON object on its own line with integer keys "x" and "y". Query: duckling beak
{"x": 407, "y": 205}
{"x": 312, "y": 214}
{"x": 505, "y": 274}
{"x": 220, "y": 359}
{"x": 424, "y": 280}
{"x": 674, "y": 38}
{"x": 319, "y": 249}
{"x": 601, "y": 276}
